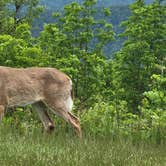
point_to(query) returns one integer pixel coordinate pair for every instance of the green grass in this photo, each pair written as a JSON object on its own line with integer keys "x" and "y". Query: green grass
{"x": 37, "y": 149}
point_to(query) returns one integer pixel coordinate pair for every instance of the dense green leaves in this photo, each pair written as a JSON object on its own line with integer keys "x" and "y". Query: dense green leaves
{"x": 15, "y": 12}
{"x": 140, "y": 54}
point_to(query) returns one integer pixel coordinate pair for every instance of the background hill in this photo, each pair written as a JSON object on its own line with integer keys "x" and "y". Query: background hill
{"x": 60, "y": 4}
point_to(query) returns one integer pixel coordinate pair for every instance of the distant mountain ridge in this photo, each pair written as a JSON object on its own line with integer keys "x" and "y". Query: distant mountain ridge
{"x": 106, "y": 3}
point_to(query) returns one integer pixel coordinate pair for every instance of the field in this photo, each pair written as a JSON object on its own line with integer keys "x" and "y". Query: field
{"x": 39, "y": 149}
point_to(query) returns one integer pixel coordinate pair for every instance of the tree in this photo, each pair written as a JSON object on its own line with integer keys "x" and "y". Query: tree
{"x": 14, "y": 12}
{"x": 19, "y": 50}
{"x": 2, "y": 14}
{"x": 142, "y": 50}
{"x": 5, "y": 20}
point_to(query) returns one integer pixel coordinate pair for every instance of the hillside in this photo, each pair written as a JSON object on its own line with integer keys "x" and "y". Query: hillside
{"x": 59, "y": 4}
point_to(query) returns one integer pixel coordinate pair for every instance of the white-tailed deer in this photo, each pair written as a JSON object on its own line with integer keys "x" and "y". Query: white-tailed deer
{"x": 43, "y": 88}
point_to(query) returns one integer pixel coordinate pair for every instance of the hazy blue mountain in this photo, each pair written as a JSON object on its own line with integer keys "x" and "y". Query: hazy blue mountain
{"x": 107, "y": 3}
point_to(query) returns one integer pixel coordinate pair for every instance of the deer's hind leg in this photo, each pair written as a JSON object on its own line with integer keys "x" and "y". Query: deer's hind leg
{"x": 41, "y": 109}
{"x": 70, "y": 118}
{"x": 59, "y": 107}
{"x": 2, "y": 110}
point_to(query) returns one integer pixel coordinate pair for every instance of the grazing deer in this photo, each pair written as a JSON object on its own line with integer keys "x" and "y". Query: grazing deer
{"x": 43, "y": 88}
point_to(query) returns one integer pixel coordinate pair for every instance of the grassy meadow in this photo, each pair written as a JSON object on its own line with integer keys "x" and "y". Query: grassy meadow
{"x": 61, "y": 149}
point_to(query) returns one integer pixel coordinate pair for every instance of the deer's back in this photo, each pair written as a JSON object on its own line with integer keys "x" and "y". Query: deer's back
{"x": 20, "y": 86}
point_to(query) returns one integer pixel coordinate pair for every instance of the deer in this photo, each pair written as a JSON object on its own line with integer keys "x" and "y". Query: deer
{"x": 42, "y": 87}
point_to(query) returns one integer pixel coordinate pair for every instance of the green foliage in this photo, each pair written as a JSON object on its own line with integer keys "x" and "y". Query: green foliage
{"x": 19, "y": 51}
{"x": 23, "y": 32}
{"x": 114, "y": 120}
{"x": 154, "y": 104}
{"x": 23, "y": 120}
{"x": 142, "y": 51}
{"x": 103, "y": 119}
{"x": 3, "y": 19}
{"x": 10, "y": 49}
{"x": 20, "y": 11}
{"x": 118, "y": 14}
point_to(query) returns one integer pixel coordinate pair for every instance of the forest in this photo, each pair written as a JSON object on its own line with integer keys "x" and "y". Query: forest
{"x": 118, "y": 69}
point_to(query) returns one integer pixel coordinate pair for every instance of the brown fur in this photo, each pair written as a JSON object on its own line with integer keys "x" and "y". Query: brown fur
{"x": 43, "y": 88}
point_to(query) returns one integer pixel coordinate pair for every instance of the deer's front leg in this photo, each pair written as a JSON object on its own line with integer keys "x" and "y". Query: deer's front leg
{"x": 2, "y": 110}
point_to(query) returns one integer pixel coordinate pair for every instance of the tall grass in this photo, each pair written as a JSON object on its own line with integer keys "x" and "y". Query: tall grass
{"x": 61, "y": 149}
